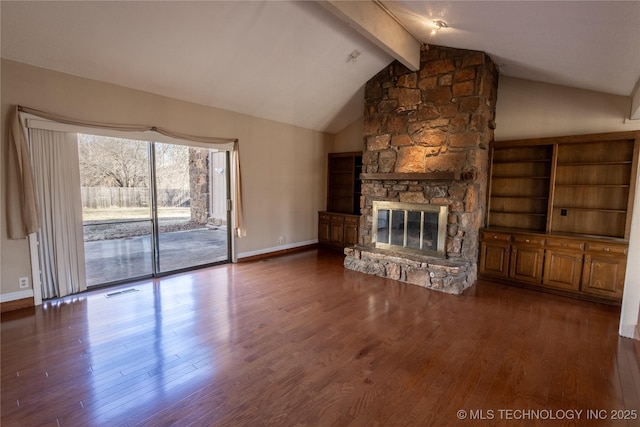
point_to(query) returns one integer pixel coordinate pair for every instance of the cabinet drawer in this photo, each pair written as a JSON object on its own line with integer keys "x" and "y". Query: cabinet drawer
{"x": 564, "y": 244}
{"x": 325, "y": 217}
{"x": 337, "y": 219}
{"x": 351, "y": 220}
{"x": 499, "y": 237}
{"x": 607, "y": 248}
{"x": 528, "y": 240}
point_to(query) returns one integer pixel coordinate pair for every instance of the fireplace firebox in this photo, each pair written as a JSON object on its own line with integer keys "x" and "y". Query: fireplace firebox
{"x": 410, "y": 227}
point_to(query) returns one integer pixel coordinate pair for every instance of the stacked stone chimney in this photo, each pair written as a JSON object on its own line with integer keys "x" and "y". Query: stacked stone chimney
{"x": 426, "y": 137}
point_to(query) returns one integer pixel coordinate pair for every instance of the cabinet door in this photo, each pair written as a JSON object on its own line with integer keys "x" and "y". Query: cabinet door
{"x": 562, "y": 270}
{"x": 324, "y": 231}
{"x": 494, "y": 259}
{"x": 526, "y": 264}
{"x": 350, "y": 234}
{"x": 603, "y": 275}
{"x": 337, "y": 233}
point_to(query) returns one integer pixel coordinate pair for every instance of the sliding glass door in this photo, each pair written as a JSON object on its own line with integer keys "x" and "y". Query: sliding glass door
{"x": 151, "y": 208}
{"x": 187, "y": 186}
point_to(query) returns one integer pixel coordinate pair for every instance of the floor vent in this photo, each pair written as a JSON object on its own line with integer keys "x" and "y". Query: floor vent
{"x": 125, "y": 291}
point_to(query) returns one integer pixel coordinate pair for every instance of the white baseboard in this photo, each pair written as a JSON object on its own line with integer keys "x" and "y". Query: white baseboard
{"x": 629, "y": 331}
{"x": 277, "y": 248}
{"x": 14, "y": 296}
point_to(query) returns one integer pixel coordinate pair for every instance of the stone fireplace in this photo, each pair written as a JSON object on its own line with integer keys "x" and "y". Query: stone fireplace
{"x": 426, "y": 140}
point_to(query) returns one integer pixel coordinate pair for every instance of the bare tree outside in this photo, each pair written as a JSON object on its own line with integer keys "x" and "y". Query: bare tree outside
{"x": 113, "y": 162}
{"x": 115, "y": 180}
{"x": 172, "y": 166}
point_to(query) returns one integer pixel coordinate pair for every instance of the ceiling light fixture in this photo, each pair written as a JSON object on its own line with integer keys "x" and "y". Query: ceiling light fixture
{"x": 353, "y": 56}
{"x": 438, "y": 25}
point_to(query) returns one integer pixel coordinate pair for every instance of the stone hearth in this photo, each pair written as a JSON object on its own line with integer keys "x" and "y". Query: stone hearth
{"x": 426, "y": 137}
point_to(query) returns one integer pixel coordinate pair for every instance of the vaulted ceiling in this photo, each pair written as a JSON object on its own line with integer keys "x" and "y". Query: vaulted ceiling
{"x": 290, "y": 61}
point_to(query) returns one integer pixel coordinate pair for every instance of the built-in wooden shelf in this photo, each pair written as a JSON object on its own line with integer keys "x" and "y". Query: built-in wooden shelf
{"x": 563, "y": 224}
{"x": 595, "y": 185}
{"x": 343, "y": 182}
{"x": 508, "y": 162}
{"x": 582, "y": 184}
{"x": 338, "y": 226}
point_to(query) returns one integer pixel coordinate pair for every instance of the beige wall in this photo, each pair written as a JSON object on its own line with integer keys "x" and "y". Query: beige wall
{"x": 527, "y": 109}
{"x": 282, "y": 166}
{"x": 350, "y": 138}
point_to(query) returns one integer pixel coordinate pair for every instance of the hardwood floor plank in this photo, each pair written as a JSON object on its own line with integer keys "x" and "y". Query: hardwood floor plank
{"x": 299, "y": 340}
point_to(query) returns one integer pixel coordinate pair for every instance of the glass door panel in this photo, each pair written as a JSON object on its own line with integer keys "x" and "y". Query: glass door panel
{"x": 151, "y": 208}
{"x": 191, "y": 194}
{"x": 116, "y": 208}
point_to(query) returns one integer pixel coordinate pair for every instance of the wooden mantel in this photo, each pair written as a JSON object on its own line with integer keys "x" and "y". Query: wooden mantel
{"x": 420, "y": 176}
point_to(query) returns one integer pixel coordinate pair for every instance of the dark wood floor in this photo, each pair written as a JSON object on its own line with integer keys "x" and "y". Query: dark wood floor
{"x": 299, "y": 340}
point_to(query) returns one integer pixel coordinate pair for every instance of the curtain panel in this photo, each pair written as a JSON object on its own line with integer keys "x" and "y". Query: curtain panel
{"x": 22, "y": 209}
{"x": 61, "y": 240}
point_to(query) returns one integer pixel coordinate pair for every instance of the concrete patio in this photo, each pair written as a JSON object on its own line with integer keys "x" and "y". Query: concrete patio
{"x": 120, "y": 259}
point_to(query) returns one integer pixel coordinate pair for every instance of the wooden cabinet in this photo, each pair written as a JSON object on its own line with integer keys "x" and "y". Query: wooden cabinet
{"x": 337, "y": 230}
{"x": 338, "y": 226}
{"x": 589, "y": 267}
{"x": 565, "y": 205}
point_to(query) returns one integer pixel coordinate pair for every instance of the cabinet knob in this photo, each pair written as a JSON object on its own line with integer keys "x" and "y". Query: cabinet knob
{"x": 527, "y": 240}
{"x": 606, "y": 249}
{"x": 495, "y": 237}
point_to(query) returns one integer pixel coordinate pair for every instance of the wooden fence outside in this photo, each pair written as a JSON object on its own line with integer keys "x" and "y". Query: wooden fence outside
{"x": 132, "y": 197}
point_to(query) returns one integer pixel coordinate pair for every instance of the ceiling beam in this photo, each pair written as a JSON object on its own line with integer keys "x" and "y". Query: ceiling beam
{"x": 635, "y": 103}
{"x": 376, "y": 24}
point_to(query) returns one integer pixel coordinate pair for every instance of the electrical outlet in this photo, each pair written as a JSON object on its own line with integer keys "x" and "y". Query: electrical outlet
{"x": 281, "y": 240}
{"x": 23, "y": 282}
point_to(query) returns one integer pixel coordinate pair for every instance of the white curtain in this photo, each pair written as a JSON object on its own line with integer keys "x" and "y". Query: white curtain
{"x": 61, "y": 242}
